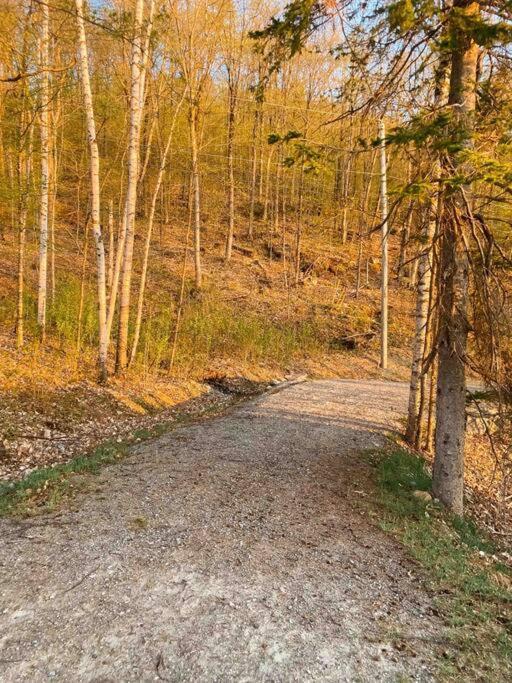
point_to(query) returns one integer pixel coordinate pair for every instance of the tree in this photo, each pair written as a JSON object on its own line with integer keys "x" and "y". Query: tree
{"x": 194, "y": 23}
{"x": 126, "y": 245}
{"x": 44, "y": 86}
{"x": 95, "y": 190}
{"x": 234, "y": 40}
{"x": 448, "y": 477}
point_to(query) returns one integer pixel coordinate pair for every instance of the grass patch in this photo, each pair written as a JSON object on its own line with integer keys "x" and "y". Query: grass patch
{"x": 472, "y": 588}
{"x": 212, "y": 329}
{"x": 43, "y": 489}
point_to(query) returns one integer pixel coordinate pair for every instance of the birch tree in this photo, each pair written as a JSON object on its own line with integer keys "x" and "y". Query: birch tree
{"x": 136, "y": 104}
{"x": 151, "y": 219}
{"x": 196, "y": 49}
{"x": 94, "y": 164}
{"x": 234, "y": 36}
{"x": 44, "y": 86}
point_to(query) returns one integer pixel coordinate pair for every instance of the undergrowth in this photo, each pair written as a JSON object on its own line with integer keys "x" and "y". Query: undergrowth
{"x": 210, "y": 329}
{"x": 472, "y": 587}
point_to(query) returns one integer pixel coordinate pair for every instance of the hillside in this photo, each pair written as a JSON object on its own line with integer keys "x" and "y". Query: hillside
{"x": 247, "y": 322}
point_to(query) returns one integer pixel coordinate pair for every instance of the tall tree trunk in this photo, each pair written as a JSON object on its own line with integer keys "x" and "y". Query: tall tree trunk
{"x": 420, "y": 334}
{"x": 231, "y": 171}
{"x": 110, "y": 245}
{"x": 384, "y": 250}
{"x": 196, "y": 191}
{"x": 425, "y": 284}
{"x": 24, "y": 175}
{"x": 181, "y": 298}
{"x": 448, "y": 473}
{"x": 254, "y": 168}
{"x": 45, "y": 153}
{"x": 94, "y": 164}
{"x": 267, "y": 184}
{"x": 298, "y": 228}
{"x": 363, "y": 217}
{"x": 136, "y": 99}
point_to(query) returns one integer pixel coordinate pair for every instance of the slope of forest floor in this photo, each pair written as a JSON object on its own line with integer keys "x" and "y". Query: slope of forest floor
{"x": 248, "y": 322}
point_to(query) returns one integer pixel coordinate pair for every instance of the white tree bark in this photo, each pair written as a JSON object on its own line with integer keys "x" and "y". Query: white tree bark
{"x": 95, "y": 191}
{"x": 233, "y": 91}
{"x": 421, "y": 320}
{"x": 384, "y": 247}
{"x": 110, "y": 245}
{"x": 197, "y": 195}
{"x": 45, "y": 171}
{"x": 128, "y": 233}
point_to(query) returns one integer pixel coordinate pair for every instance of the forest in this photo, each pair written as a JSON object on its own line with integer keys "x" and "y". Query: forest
{"x": 261, "y": 253}
{"x": 156, "y": 157}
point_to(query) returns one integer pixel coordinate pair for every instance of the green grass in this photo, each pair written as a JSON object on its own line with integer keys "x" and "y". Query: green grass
{"x": 212, "y": 329}
{"x": 45, "y": 488}
{"x": 471, "y": 591}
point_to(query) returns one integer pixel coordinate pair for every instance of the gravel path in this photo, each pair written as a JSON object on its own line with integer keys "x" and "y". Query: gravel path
{"x": 229, "y": 550}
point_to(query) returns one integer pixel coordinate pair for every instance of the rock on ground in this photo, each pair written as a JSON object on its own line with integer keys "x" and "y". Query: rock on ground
{"x": 229, "y": 550}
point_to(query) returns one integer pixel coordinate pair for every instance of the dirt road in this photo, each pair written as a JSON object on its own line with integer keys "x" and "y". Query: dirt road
{"x": 230, "y": 550}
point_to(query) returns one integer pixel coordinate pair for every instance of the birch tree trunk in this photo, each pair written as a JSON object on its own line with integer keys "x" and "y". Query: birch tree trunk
{"x": 110, "y": 246}
{"x": 448, "y": 471}
{"x": 254, "y": 169}
{"x": 298, "y": 228}
{"x": 45, "y": 179}
{"x": 421, "y": 318}
{"x": 95, "y": 191}
{"x": 136, "y": 98}
{"x": 196, "y": 190}
{"x": 384, "y": 250}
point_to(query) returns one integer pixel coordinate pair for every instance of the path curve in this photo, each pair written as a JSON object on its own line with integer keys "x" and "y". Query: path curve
{"x": 229, "y": 550}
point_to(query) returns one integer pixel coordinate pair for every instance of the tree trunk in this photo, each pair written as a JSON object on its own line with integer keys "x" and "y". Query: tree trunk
{"x": 298, "y": 229}
{"x": 420, "y": 334}
{"x": 196, "y": 190}
{"x": 231, "y": 173}
{"x": 384, "y": 248}
{"x": 448, "y": 472}
{"x": 136, "y": 98}
{"x": 95, "y": 192}
{"x": 254, "y": 169}
{"x": 110, "y": 245}
{"x": 24, "y": 174}
{"x": 151, "y": 220}
{"x": 44, "y": 186}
